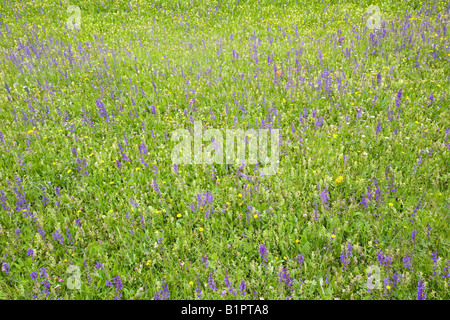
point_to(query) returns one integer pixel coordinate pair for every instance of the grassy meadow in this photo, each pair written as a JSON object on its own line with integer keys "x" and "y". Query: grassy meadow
{"x": 93, "y": 207}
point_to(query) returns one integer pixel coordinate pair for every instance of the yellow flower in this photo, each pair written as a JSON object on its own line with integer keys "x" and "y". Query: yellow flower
{"x": 333, "y": 236}
{"x": 54, "y": 163}
{"x": 190, "y": 282}
{"x": 297, "y": 241}
{"x": 334, "y": 135}
{"x": 148, "y": 262}
{"x": 69, "y": 171}
{"x": 111, "y": 182}
{"x": 391, "y": 204}
{"x": 255, "y": 216}
{"x": 285, "y": 258}
{"x": 404, "y": 227}
{"x": 388, "y": 287}
{"x": 179, "y": 215}
{"x": 240, "y": 195}
{"x": 339, "y": 179}
{"x": 200, "y": 229}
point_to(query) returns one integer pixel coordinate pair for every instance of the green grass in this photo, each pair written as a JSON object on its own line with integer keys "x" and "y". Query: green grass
{"x": 150, "y": 44}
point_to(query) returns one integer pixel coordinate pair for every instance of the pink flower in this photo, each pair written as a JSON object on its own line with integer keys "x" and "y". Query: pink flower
{"x": 224, "y": 291}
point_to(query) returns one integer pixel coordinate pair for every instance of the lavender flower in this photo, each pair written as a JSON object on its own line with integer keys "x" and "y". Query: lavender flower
{"x": 378, "y": 129}
{"x": 211, "y": 283}
{"x": 163, "y": 294}
{"x": 5, "y": 267}
{"x": 243, "y": 286}
{"x": 263, "y": 252}
{"x": 324, "y": 196}
{"x": 205, "y": 259}
{"x": 413, "y": 236}
{"x": 301, "y": 259}
{"x": 199, "y": 288}
{"x": 421, "y": 294}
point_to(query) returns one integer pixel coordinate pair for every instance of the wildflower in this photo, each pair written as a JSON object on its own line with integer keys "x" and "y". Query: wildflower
{"x": 5, "y": 267}
{"x": 163, "y": 293}
{"x": 301, "y": 259}
{"x": 205, "y": 259}
{"x": 199, "y": 289}
{"x": 243, "y": 286}
{"x": 413, "y": 236}
{"x": 421, "y": 295}
{"x": 263, "y": 252}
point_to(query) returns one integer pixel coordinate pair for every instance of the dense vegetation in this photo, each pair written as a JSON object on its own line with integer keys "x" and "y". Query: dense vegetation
{"x": 87, "y": 179}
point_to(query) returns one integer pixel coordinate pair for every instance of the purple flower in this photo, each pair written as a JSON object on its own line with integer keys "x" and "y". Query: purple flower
{"x": 33, "y": 275}
{"x": 324, "y": 196}
{"x": 163, "y": 293}
{"x": 228, "y": 283}
{"x": 243, "y": 286}
{"x": 99, "y": 265}
{"x": 42, "y": 272}
{"x": 5, "y": 267}
{"x": 407, "y": 261}
{"x": 58, "y": 237}
{"x": 117, "y": 283}
{"x": 199, "y": 288}
{"x": 378, "y": 129}
{"x": 413, "y": 236}
{"x": 285, "y": 277}
{"x": 30, "y": 252}
{"x": 46, "y": 286}
{"x": 41, "y": 232}
{"x": 211, "y": 283}
{"x": 205, "y": 259}
{"x": 3, "y": 201}
{"x": 301, "y": 259}
{"x": 263, "y": 252}
{"x": 421, "y": 295}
